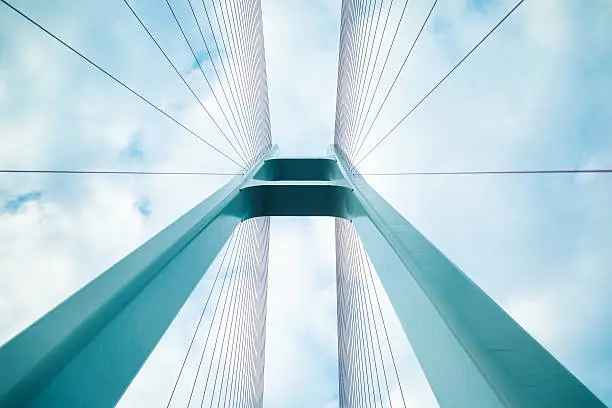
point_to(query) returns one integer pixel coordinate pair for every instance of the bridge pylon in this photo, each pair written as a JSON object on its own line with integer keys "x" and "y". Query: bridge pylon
{"x": 86, "y": 351}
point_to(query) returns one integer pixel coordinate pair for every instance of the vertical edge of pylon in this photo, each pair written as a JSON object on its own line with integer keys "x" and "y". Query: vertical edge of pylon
{"x": 87, "y": 350}
{"x": 471, "y": 351}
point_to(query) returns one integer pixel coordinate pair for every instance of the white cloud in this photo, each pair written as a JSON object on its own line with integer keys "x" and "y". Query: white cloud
{"x": 537, "y": 245}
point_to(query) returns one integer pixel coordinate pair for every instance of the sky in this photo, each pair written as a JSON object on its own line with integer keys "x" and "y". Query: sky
{"x": 534, "y": 96}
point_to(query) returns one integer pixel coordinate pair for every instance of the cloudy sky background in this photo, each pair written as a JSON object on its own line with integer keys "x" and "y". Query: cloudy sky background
{"x": 535, "y": 96}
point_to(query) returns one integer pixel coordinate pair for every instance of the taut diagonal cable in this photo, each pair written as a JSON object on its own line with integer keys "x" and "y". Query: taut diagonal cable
{"x": 229, "y": 296}
{"x": 240, "y": 32}
{"x": 229, "y": 245}
{"x": 363, "y": 49}
{"x": 152, "y": 37}
{"x": 231, "y": 68}
{"x": 212, "y": 90}
{"x": 361, "y": 360}
{"x": 375, "y": 63}
{"x": 235, "y": 51}
{"x": 365, "y": 91}
{"x": 229, "y": 77}
{"x": 230, "y": 103}
{"x": 382, "y": 319}
{"x": 239, "y": 233}
{"x": 117, "y": 80}
{"x": 397, "y": 75}
{"x": 440, "y": 82}
{"x": 355, "y": 45}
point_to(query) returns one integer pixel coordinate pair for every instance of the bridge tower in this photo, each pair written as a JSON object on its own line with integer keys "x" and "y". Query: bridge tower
{"x": 86, "y": 351}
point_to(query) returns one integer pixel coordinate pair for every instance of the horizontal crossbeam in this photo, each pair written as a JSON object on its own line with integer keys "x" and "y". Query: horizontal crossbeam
{"x": 86, "y": 351}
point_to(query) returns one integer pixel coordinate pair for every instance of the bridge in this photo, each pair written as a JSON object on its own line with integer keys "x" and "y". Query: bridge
{"x": 86, "y": 351}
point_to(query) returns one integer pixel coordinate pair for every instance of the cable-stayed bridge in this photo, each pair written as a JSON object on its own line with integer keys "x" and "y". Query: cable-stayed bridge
{"x": 87, "y": 350}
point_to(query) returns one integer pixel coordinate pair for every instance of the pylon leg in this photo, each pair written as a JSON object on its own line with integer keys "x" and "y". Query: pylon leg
{"x": 86, "y": 351}
{"x": 471, "y": 351}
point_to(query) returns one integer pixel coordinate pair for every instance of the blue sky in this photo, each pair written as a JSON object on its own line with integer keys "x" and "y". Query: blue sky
{"x": 535, "y": 96}
{"x": 133, "y": 151}
{"x": 14, "y": 204}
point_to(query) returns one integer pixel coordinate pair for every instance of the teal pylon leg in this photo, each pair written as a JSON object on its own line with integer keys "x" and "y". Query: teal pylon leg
{"x": 86, "y": 351}
{"x": 473, "y": 354}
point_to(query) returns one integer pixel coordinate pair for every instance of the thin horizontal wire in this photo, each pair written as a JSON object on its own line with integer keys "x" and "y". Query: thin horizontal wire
{"x": 147, "y": 173}
{"x": 440, "y": 82}
{"x": 114, "y": 78}
{"x": 474, "y": 173}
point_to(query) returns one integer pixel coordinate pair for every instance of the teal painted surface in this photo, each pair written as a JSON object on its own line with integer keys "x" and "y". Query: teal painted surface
{"x": 86, "y": 351}
{"x": 294, "y": 169}
{"x": 472, "y": 352}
